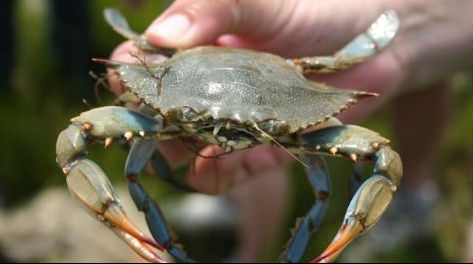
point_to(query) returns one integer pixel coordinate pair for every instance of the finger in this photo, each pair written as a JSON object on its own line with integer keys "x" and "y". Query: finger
{"x": 188, "y": 22}
{"x": 121, "y": 54}
{"x": 291, "y": 28}
{"x": 218, "y": 175}
{"x": 176, "y": 152}
{"x": 262, "y": 204}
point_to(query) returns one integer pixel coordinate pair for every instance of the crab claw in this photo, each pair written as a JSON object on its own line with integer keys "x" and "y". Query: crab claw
{"x": 349, "y": 230}
{"x": 129, "y": 233}
{"x": 365, "y": 209}
{"x": 115, "y": 216}
{"x": 89, "y": 184}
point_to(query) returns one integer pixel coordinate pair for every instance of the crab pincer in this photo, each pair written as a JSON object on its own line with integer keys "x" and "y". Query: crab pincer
{"x": 90, "y": 185}
{"x": 374, "y": 195}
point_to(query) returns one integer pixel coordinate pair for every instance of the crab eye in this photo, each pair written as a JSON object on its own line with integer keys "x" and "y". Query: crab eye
{"x": 187, "y": 114}
{"x": 274, "y": 127}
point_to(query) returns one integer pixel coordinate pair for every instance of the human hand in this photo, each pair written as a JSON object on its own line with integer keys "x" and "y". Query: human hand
{"x": 426, "y": 50}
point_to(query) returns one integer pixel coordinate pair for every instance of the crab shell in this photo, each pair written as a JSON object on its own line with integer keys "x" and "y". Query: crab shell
{"x": 240, "y": 85}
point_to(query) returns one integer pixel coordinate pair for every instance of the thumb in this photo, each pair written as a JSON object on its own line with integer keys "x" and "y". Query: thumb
{"x": 288, "y": 28}
{"x": 189, "y": 23}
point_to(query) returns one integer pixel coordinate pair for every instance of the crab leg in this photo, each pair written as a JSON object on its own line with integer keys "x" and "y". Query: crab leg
{"x": 319, "y": 178}
{"x": 365, "y": 45}
{"x": 139, "y": 155}
{"x": 374, "y": 195}
{"x": 86, "y": 180}
{"x": 118, "y": 22}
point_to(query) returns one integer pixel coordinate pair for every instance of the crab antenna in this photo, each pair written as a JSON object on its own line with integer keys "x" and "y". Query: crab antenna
{"x": 279, "y": 144}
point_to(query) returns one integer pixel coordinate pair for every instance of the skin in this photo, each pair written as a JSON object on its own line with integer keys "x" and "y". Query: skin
{"x": 433, "y": 43}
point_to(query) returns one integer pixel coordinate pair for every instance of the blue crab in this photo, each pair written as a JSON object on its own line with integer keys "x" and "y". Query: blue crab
{"x": 236, "y": 99}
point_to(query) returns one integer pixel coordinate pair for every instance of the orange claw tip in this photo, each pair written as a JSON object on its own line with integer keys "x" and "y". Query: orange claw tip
{"x": 147, "y": 253}
{"x": 153, "y": 243}
{"x": 348, "y": 231}
{"x": 150, "y": 255}
{"x": 115, "y": 216}
{"x": 139, "y": 247}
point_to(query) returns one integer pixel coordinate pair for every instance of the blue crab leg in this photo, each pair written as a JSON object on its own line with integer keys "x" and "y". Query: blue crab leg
{"x": 374, "y": 195}
{"x": 87, "y": 181}
{"x": 367, "y": 44}
{"x": 140, "y": 153}
{"x": 319, "y": 178}
{"x": 118, "y": 22}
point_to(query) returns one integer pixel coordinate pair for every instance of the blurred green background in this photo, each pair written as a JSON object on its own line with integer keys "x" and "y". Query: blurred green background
{"x": 47, "y": 83}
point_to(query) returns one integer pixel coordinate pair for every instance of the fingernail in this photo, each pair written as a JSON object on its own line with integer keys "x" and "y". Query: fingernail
{"x": 174, "y": 26}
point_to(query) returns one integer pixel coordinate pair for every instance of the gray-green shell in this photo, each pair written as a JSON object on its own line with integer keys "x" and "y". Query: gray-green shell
{"x": 236, "y": 84}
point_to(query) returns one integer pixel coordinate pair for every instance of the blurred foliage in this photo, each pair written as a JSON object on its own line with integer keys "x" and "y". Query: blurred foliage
{"x": 43, "y": 98}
